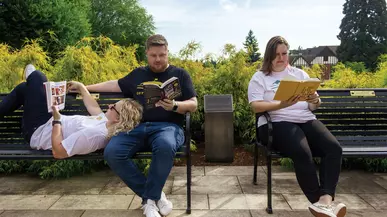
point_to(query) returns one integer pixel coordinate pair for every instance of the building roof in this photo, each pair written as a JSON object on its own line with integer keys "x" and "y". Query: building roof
{"x": 310, "y": 54}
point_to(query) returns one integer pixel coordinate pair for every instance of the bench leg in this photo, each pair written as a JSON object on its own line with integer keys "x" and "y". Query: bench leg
{"x": 269, "y": 208}
{"x": 188, "y": 211}
{"x": 255, "y": 164}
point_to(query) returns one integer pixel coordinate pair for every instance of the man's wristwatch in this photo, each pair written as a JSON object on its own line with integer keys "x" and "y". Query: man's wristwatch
{"x": 56, "y": 122}
{"x": 175, "y": 106}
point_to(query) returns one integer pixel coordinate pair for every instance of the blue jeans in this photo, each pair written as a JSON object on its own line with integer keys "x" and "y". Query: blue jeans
{"x": 32, "y": 96}
{"x": 163, "y": 139}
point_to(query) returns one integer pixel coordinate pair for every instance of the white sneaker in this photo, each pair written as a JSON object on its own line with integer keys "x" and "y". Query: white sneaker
{"x": 28, "y": 70}
{"x": 150, "y": 209}
{"x": 322, "y": 210}
{"x": 165, "y": 206}
{"x": 340, "y": 210}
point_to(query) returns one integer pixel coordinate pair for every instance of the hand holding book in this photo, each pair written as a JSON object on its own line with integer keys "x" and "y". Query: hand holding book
{"x": 154, "y": 93}
{"x": 291, "y": 86}
{"x": 55, "y": 94}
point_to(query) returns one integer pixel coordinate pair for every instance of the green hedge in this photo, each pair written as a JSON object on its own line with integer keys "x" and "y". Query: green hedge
{"x": 94, "y": 60}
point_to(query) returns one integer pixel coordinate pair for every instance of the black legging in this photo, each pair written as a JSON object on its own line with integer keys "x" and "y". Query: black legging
{"x": 32, "y": 96}
{"x": 298, "y": 142}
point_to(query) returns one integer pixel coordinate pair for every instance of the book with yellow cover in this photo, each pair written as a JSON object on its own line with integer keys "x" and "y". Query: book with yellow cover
{"x": 290, "y": 86}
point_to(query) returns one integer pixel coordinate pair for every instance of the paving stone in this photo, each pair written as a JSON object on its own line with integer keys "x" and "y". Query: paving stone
{"x": 207, "y": 185}
{"x": 75, "y": 185}
{"x": 378, "y": 201}
{"x": 366, "y": 213}
{"x": 136, "y": 203}
{"x": 246, "y": 183}
{"x": 279, "y": 170}
{"x": 280, "y": 213}
{"x": 198, "y": 202}
{"x": 20, "y": 184}
{"x": 228, "y": 201}
{"x": 353, "y": 201}
{"x": 358, "y": 185}
{"x": 285, "y": 184}
{"x": 27, "y": 202}
{"x": 381, "y": 180}
{"x": 297, "y": 201}
{"x": 117, "y": 187}
{"x": 259, "y": 201}
{"x": 76, "y": 202}
{"x": 230, "y": 170}
{"x": 211, "y": 213}
{"x": 181, "y": 171}
{"x": 113, "y": 213}
{"x": 42, "y": 213}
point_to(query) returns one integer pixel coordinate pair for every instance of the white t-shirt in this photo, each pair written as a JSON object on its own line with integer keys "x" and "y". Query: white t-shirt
{"x": 81, "y": 134}
{"x": 262, "y": 87}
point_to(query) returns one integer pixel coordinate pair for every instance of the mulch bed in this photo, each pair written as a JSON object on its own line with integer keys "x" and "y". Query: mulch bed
{"x": 242, "y": 157}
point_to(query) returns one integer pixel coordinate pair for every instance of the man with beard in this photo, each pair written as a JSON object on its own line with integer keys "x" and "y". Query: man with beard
{"x": 160, "y": 130}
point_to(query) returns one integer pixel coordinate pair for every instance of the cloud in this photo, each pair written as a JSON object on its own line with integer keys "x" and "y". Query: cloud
{"x": 305, "y": 23}
{"x": 228, "y": 5}
{"x": 247, "y": 3}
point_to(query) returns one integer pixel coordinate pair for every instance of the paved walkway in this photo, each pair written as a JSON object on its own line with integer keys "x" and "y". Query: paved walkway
{"x": 217, "y": 191}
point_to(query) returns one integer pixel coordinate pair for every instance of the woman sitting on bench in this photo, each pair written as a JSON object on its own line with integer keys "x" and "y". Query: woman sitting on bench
{"x": 296, "y": 132}
{"x": 67, "y": 135}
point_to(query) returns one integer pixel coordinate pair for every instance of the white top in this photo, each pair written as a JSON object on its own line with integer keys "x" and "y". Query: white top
{"x": 263, "y": 88}
{"x": 81, "y": 134}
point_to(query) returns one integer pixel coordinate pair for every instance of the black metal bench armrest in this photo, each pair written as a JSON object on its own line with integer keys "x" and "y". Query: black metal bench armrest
{"x": 269, "y": 129}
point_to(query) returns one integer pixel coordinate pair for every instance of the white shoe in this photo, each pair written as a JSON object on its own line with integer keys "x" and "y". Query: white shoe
{"x": 28, "y": 70}
{"x": 340, "y": 210}
{"x": 165, "y": 206}
{"x": 150, "y": 209}
{"x": 322, "y": 210}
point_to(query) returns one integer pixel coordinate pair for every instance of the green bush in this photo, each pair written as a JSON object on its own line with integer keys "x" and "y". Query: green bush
{"x": 93, "y": 60}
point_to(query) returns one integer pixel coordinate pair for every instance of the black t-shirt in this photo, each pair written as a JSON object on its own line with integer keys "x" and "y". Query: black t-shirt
{"x": 132, "y": 87}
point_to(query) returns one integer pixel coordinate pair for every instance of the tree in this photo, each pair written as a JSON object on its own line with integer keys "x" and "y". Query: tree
{"x": 124, "y": 21}
{"x": 58, "y": 23}
{"x": 190, "y": 50}
{"x": 251, "y": 46}
{"x": 363, "y": 32}
{"x": 228, "y": 50}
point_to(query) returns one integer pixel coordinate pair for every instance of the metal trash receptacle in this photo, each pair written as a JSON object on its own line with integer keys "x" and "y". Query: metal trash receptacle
{"x": 219, "y": 128}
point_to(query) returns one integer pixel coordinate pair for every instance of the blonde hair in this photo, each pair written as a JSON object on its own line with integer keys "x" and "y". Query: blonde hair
{"x": 130, "y": 117}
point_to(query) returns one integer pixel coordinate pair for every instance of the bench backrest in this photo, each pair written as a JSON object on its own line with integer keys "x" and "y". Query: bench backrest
{"x": 355, "y": 115}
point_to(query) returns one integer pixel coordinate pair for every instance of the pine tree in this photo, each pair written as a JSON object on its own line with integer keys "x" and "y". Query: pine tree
{"x": 363, "y": 32}
{"x": 251, "y": 46}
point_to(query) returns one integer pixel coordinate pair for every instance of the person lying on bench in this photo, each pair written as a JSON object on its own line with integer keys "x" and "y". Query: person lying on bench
{"x": 297, "y": 133}
{"x": 67, "y": 135}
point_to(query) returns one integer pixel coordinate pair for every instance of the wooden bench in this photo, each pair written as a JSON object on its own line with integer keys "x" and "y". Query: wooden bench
{"x": 14, "y": 147}
{"x": 357, "y": 117}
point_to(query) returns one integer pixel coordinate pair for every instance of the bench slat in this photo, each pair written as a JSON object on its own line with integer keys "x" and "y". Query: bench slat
{"x": 378, "y": 116}
{"x": 352, "y": 104}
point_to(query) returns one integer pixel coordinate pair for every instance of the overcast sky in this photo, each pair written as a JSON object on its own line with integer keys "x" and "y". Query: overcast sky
{"x": 213, "y": 23}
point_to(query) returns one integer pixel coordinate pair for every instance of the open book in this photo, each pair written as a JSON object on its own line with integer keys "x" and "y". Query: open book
{"x": 290, "y": 86}
{"x": 170, "y": 89}
{"x": 55, "y": 94}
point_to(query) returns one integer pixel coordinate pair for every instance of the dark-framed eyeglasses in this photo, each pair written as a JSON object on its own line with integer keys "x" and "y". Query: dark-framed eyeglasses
{"x": 113, "y": 107}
